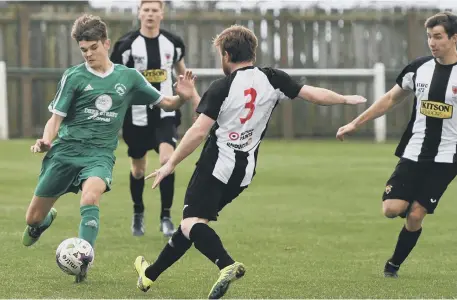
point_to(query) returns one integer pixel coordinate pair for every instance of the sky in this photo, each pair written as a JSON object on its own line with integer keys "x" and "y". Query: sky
{"x": 326, "y": 4}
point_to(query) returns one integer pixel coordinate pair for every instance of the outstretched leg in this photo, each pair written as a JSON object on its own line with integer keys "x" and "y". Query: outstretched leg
{"x": 39, "y": 217}
{"x": 171, "y": 253}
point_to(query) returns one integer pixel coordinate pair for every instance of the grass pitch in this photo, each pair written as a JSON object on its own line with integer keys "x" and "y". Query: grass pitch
{"x": 310, "y": 226}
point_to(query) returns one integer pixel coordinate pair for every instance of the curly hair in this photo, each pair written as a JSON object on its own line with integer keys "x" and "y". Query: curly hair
{"x": 89, "y": 28}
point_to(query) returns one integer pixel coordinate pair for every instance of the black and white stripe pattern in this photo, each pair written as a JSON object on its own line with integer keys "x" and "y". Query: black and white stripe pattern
{"x": 241, "y": 104}
{"x": 150, "y": 56}
{"x": 431, "y": 134}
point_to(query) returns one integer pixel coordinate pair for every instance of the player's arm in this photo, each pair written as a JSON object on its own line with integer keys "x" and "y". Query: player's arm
{"x": 146, "y": 94}
{"x": 323, "y": 96}
{"x": 171, "y": 103}
{"x": 52, "y": 128}
{"x": 377, "y": 109}
{"x": 403, "y": 88}
{"x": 209, "y": 108}
{"x": 49, "y": 134}
{"x": 382, "y": 105}
{"x": 185, "y": 88}
{"x": 59, "y": 108}
{"x": 193, "y": 137}
{"x": 178, "y": 59}
{"x": 291, "y": 89}
{"x": 180, "y": 68}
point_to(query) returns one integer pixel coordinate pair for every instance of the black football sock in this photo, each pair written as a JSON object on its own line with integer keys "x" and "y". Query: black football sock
{"x": 210, "y": 245}
{"x": 167, "y": 188}
{"x": 136, "y": 191}
{"x": 174, "y": 250}
{"x": 405, "y": 244}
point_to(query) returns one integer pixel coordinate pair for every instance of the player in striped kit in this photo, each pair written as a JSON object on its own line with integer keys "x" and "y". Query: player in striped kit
{"x": 154, "y": 52}
{"x": 428, "y": 148}
{"x": 234, "y": 111}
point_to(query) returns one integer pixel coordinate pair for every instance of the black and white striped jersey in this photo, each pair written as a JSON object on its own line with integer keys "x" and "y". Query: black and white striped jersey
{"x": 431, "y": 134}
{"x": 241, "y": 104}
{"x": 154, "y": 58}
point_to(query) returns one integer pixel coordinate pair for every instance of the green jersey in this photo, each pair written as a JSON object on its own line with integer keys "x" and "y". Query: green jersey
{"x": 94, "y": 105}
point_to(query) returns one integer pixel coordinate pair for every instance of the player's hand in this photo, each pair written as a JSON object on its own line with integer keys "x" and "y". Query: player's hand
{"x": 185, "y": 86}
{"x": 160, "y": 174}
{"x": 40, "y": 146}
{"x": 349, "y": 128}
{"x": 354, "y": 99}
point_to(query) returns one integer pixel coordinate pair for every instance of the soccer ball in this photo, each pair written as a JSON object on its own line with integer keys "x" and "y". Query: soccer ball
{"x": 70, "y": 255}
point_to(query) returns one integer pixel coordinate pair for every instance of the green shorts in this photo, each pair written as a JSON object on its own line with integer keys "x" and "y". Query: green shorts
{"x": 66, "y": 166}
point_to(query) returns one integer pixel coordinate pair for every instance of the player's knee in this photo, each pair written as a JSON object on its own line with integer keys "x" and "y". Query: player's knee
{"x": 415, "y": 218}
{"x": 393, "y": 208}
{"x": 90, "y": 197}
{"x": 188, "y": 223}
{"x": 164, "y": 159}
{"x": 138, "y": 170}
{"x": 391, "y": 211}
{"x": 138, "y": 173}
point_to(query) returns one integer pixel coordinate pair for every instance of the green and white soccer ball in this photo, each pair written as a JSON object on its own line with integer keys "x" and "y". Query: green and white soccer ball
{"x": 71, "y": 253}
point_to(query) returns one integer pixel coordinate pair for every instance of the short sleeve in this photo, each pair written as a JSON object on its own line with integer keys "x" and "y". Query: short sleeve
{"x": 121, "y": 53}
{"x": 180, "y": 49}
{"x": 282, "y": 81}
{"x": 212, "y": 100}
{"x": 144, "y": 92}
{"x": 122, "y": 49}
{"x": 116, "y": 55}
{"x": 64, "y": 96}
{"x": 406, "y": 77}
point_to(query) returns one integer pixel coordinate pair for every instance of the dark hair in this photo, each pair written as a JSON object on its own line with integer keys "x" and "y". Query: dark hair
{"x": 446, "y": 19}
{"x": 239, "y": 42}
{"x": 89, "y": 28}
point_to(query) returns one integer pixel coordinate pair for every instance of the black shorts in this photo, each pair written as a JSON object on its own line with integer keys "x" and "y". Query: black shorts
{"x": 424, "y": 182}
{"x": 206, "y": 195}
{"x": 141, "y": 139}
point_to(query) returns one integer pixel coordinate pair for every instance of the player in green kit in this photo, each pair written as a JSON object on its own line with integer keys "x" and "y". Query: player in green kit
{"x": 88, "y": 111}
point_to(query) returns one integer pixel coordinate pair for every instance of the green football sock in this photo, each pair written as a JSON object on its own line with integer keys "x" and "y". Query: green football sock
{"x": 88, "y": 229}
